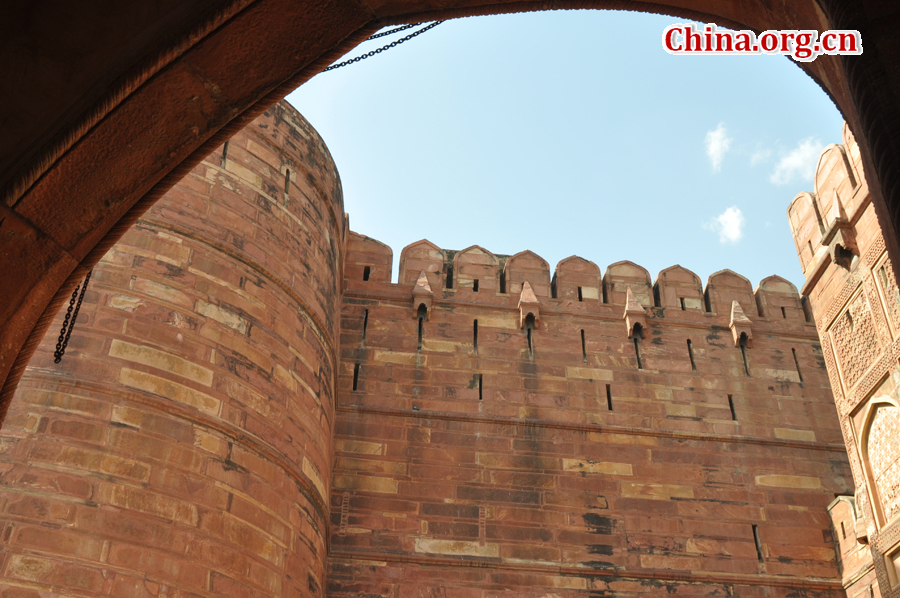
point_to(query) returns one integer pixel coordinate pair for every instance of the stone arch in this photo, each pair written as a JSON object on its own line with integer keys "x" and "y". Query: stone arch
{"x": 881, "y": 456}
{"x": 418, "y": 256}
{"x": 476, "y": 263}
{"x": 528, "y": 266}
{"x": 574, "y": 273}
{"x": 677, "y": 287}
{"x": 621, "y": 276}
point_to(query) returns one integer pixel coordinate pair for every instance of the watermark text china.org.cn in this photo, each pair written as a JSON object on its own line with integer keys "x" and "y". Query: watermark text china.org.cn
{"x": 801, "y": 45}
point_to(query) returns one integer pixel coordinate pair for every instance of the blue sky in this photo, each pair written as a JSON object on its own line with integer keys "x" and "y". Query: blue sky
{"x": 574, "y": 132}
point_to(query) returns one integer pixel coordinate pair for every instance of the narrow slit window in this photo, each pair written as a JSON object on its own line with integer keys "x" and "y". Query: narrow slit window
{"x": 224, "y": 154}
{"x": 691, "y": 355}
{"x": 636, "y": 336}
{"x": 449, "y": 277}
{"x": 783, "y": 313}
{"x": 287, "y": 181}
{"x": 759, "y": 550}
{"x": 422, "y": 313}
{"x": 882, "y": 274}
{"x": 811, "y": 252}
{"x": 366, "y": 272}
{"x": 583, "y": 348}
{"x": 475, "y": 336}
{"x": 743, "y": 344}
{"x": 609, "y": 397}
{"x": 475, "y": 285}
{"x": 843, "y": 531}
{"x": 356, "y": 376}
{"x": 480, "y": 387}
{"x": 580, "y": 296}
{"x": 681, "y": 299}
{"x": 503, "y": 282}
{"x": 529, "y": 330}
{"x": 365, "y": 326}
{"x": 731, "y": 406}
{"x": 797, "y": 364}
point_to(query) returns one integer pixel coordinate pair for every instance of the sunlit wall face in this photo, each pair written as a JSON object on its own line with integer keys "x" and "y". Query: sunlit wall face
{"x": 574, "y": 132}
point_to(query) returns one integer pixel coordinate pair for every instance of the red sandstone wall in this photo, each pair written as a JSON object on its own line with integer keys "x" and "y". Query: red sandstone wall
{"x": 533, "y": 486}
{"x": 853, "y": 292}
{"x": 183, "y": 447}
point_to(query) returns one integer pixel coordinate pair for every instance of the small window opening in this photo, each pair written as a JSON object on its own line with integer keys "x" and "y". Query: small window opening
{"x": 681, "y": 299}
{"x": 691, "y": 355}
{"x": 743, "y": 344}
{"x": 529, "y": 330}
{"x": 502, "y": 282}
{"x": 480, "y": 387}
{"x": 882, "y": 274}
{"x": 759, "y": 550}
{"x": 356, "y": 376}
{"x": 421, "y": 314}
{"x": 449, "y": 277}
{"x": 609, "y": 397}
{"x": 811, "y": 252}
{"x": 365, "y": 326}
{"x": 636, "y": 336}
{"x": 366, "y": 271}
{"x": 843, "y": 531}
{"x": 797, "y": 363}
{"x": 580, "y": 296}
{"x": 731, "y": 406}
{"x": 783, "y": 313}
{"x": 583, "y": 348}
{"x": 475, "y": 336}
{"x": 287, "y": 181}
{"x": 475, "y": 285}
{"x": 843, "y": 257}
{"x": 224, "y": 154}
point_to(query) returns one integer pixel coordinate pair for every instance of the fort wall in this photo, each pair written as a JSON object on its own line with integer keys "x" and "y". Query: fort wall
{"x": 595, "y": 454}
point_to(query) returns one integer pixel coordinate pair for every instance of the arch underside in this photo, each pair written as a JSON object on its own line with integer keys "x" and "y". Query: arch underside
{"x": 105, "y": 115}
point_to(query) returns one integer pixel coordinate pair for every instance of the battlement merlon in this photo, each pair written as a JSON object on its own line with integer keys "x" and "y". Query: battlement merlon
{"x": 822, "y": 222}
{"x": 477, "y": 276}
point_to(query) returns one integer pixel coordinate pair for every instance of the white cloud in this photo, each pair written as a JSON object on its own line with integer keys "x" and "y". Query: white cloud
{"x": 799, "y": 163}
{"x": 759, "y": 156}
{"x": 729, "y": 224}
{"x": 717, "y": 144}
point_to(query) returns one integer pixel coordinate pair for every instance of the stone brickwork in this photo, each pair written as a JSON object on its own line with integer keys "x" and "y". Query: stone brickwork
{"x": 183, "y": 446}
{"x": 469, "y": 463}
{"x": 853, "y": 292}
{"x": 250, "y": 407}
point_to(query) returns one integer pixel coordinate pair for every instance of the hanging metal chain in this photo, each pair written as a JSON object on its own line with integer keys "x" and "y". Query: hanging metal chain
{"x": 392, "y": 31}
{"x": 383, "y": 48}
{"x": 74, "y": 306}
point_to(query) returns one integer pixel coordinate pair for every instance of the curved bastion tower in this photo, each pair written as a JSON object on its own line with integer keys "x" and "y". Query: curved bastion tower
{"x": 249, "y": 406}
{"x": 183, "y": 446}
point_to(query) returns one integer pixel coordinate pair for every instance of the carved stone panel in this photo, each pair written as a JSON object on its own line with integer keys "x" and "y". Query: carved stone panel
{"x": 855, "y": 340}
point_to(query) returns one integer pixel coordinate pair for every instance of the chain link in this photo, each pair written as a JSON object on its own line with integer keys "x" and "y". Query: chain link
{"x": 392, "y": 31}
{"x": 66, "y": 331}
{"x": 383, "y": 48}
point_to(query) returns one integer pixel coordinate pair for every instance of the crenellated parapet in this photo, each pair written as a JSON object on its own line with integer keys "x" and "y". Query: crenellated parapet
{"x": 476, "y": 275}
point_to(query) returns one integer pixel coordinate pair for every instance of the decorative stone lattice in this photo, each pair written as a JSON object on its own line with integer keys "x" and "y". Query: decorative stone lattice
{"x": 888, "y": 283}
{"x": 884, "y": 458}
{"x": 855, "y": 341}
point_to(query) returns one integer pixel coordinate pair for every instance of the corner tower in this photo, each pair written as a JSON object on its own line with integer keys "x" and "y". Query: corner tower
{"x": 183, "y": 446}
